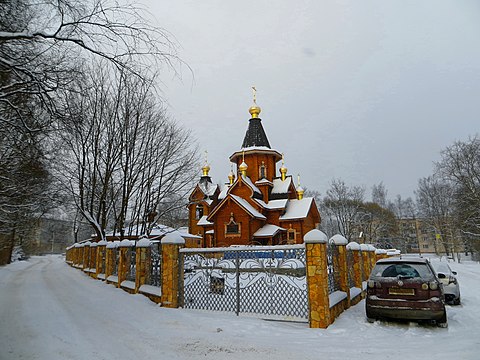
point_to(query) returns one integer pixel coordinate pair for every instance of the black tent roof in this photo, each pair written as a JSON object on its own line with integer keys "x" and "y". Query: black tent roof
{"x": 255, "y": 135}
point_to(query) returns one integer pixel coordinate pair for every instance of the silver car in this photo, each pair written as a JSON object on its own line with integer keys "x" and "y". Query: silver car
{"x": 451, "y": 287}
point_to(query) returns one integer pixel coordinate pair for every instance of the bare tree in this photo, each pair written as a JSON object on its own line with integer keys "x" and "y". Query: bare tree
{"x": 436, "y": 203}
{"x": 460, "y": 165}
{"x": 41, "y": 42}
{"x": 377, "y": 224}
{"x": 126, "y": 160}
{"x": 379, "y": 195}
{"x": 342, "y": 205}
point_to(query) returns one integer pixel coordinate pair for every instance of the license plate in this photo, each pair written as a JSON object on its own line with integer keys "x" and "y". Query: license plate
{"x": 401, "y": 291}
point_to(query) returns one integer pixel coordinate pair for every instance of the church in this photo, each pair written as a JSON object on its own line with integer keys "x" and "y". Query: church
{"x": 258, "y": 206}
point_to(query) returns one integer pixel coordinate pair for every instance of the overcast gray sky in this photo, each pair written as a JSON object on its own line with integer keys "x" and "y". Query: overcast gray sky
{"x": 365, "y": 91}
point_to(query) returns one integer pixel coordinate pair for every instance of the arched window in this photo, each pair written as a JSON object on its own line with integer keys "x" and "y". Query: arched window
{"x": 232, "y": 228}
{"x": 262, "y": 171}
{"x": 199, "y": 211}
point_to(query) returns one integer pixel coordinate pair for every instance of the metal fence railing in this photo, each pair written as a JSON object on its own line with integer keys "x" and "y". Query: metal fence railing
{"x": 265, "y": 280}
{"x": 154, "y": 277}
{"x": 116, "y": 257}
{"x": 333, "y": 270}
{"x": 350, "y": 269}
{"x": 131, "y": 261}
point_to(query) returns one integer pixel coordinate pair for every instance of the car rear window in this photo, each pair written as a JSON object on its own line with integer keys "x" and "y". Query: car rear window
{"x": 402, "y": 270}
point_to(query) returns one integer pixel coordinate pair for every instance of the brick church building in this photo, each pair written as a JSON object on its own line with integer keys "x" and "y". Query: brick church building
{"x": 257, "y": 205}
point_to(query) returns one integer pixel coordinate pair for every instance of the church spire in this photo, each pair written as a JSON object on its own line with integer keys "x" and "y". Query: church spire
{"x": 254, "y": 109}
{"x": 255, "y": 135}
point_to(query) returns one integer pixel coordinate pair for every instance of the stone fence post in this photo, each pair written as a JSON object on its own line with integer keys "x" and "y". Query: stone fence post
{"x": 86, "y": 255}
{"x": 76, "y": 258}
{"x": 317, "y": 278}
{"x": 341, "y": 263}
{"x": 101, "y": 255}
{"x": 171, "y": 245}
{"x": 93, "y": 260}
{"x": 357, "y": 263}
{"x": 371, "y": 257}
{"x": 380, "y": 254}
{"x": 142, "y": 262}
{"x": 365, "y": 261}
{"x": 110, "y": 258}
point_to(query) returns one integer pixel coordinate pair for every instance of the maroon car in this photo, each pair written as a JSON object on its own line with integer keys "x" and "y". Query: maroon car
{"x": 405, "y": 288}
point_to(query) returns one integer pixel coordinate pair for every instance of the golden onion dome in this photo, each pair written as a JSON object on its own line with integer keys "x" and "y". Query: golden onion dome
{"x": 243, "y": 166}
{"x": 254, "y": 111}
{"x": 205, "y": 169}
{"x": 300, "y": 192}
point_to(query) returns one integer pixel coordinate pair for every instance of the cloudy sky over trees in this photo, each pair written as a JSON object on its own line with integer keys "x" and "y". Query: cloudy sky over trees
{"x": 365, "y": 91}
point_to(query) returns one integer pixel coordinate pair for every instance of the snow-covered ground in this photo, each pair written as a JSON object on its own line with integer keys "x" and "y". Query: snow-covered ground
{"x": 51, "y": 311}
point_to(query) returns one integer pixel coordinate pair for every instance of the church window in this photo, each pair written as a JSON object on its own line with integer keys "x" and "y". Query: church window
{"x": 232, "y": 228}
{"x": 199, "y": 212}
{"x": 262, "y": 173}
{"x": 291, "y": 236}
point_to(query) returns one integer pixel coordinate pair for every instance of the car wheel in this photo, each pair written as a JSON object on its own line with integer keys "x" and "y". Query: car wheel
{"x": 370, "y": 319}
{"x": 443, "y": 321}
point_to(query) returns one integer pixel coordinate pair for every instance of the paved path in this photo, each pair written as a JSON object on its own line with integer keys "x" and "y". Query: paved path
{"x": 51, "y": 311}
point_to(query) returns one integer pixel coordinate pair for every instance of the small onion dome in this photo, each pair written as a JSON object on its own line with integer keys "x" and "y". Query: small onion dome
{"x": 283, "y": 171}
{"x": 254, "y": 111}
{"x": 243, "y": 168}
{"x": 300, "y": 193}
{"x": 205, "y": 170}
{"x": 231, "y": 177}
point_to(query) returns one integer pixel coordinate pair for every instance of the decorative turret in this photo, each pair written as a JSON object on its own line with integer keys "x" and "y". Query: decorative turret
{"x": 299, "y": 189}
{"x": 206, "y": 167}
{"x": 231, "y": 176}
{"x": 283, "y": 170}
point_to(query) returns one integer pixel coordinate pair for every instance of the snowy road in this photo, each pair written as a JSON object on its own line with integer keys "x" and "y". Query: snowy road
{"x": 51, "y": 311}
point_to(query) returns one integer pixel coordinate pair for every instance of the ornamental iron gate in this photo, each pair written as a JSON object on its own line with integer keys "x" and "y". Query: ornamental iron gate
{"x": 265, "y": 280}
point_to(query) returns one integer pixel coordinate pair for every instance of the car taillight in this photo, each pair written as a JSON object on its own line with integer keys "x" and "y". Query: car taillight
{"x": 424, "y": 286}
{"x": 433, "y": 285}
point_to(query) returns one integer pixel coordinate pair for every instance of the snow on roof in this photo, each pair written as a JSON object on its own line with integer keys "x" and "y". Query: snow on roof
{"x": 273, "y": 204}
{"x": 268, "y": 230}
{"x": 245, "y": 204}
{"x": 223, "y": 193}
{"x": 263, "y": 181}
{"x": 297, "y": 209}
{"x": 203, "y": 221}
{"x": 281, "y": 186}
{"x": 209, "y": 232}
{"x": 249, "y": 182}
{"x": 207, "y": 188}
